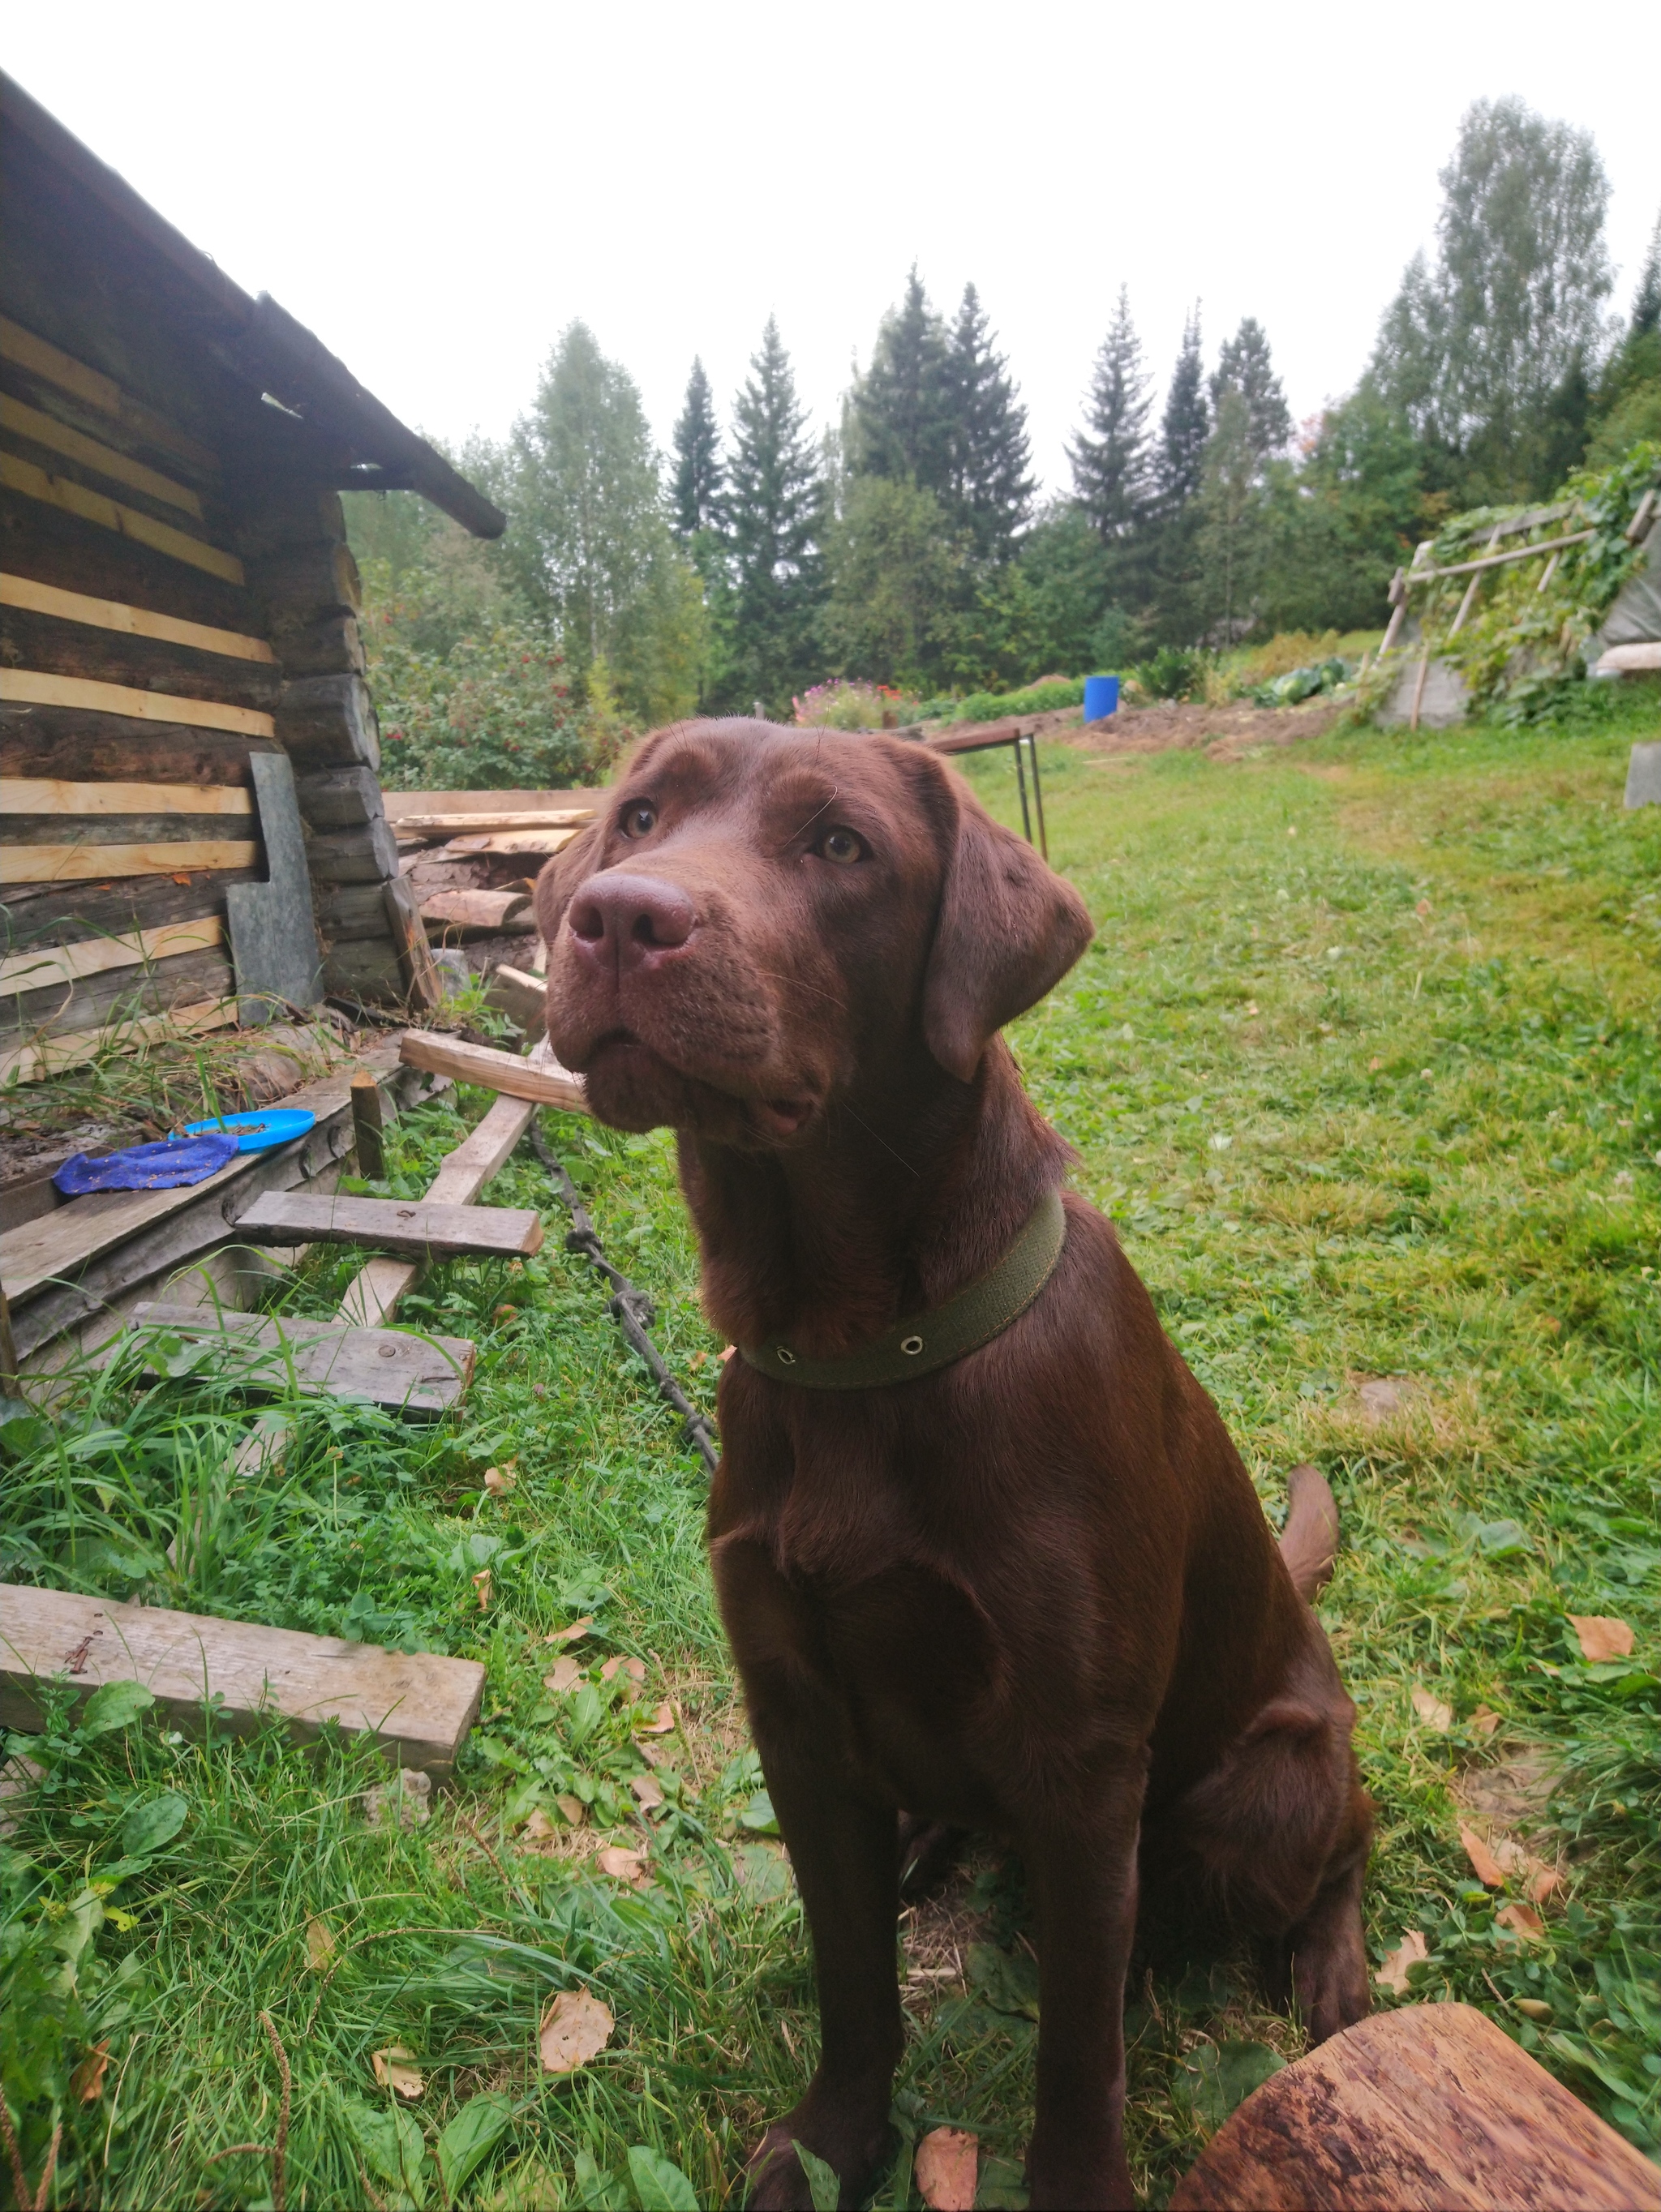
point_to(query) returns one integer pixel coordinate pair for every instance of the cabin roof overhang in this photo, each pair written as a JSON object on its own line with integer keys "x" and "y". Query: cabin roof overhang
{"x": 367, "y": 448}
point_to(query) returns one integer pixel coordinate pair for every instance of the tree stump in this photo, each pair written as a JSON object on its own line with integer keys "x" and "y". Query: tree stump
{"x": 1430, "y": 2108}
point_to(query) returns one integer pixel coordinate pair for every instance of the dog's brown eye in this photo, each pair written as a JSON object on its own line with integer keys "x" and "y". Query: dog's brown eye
{"x": 841, "y": 846}
{"x": 640, "y": 819}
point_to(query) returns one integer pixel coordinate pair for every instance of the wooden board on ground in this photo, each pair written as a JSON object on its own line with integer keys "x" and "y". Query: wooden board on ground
{"x": 1430, "y": 2108}
{"x": 418, "y": 1706}
{"x": 488, "y": 820}
{"x": 416, "y": 1228}
{"x": 69, "y": 1236}
{"x": 372, "y": 1296}
{"x": 542, "y": 1081}
{"x": 403, "y": 804}
{"x": 535, "y": 843}
{"x": 404, "y": 1373}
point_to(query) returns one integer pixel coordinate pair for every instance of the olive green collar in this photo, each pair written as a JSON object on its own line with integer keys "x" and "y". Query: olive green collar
{"x": 923, "y": 1341}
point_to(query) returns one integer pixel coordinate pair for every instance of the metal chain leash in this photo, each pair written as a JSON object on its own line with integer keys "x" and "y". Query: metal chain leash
{"x": 632, "y": 1309}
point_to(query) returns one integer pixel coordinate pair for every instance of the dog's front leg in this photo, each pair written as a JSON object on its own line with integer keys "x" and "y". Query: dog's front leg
{"x": 844, "y": 1848}
{"x": 1080, "y": 1855}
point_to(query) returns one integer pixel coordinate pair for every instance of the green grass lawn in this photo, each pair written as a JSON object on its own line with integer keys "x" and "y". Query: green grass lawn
{"x": 1363, "y": 1062}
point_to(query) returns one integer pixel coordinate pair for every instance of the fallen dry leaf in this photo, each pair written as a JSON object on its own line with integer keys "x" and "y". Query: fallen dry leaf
{"x": 87, "y": 2082}
{"x": 1532, "y": 2008}
{"x": 395, "y": 2068}
{"x": 1409, "y": 1952}
{"x": 1601, "y": 1635}
{"x": 499, "y": 1481}
{"x": 1484, "y": 1721}
{"x": 648, "y": 1792}
{"x": 538, "y": 1831}
{"x": 576, "y": 2028}
{"x": 661, "y": 1725}
{"x": 1524, "y": 1919}
{"x": 727, "y": 1351}
{"x": 482, "y": 1584}
{"x": 1544, "y": 1883}
{"x": 1488, "y": 1870}
{"x": 567, "y": 1674}
{"x": 320, "y": 1943}
{"x": 947, "y": 2159}
{"x": 1432, "y": 1712}
{"x": 622, "y": 1865}
{"x": 574, "y": 1634}
{"x": 574, "y": 1810}
{"x": 634, "y": 1669}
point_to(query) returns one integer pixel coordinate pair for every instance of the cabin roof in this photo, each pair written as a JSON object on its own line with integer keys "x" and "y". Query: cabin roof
{"x": 259, "y": 341}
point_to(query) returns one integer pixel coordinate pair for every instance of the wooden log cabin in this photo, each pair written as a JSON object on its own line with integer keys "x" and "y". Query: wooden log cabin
{"x": 192, "y": 821}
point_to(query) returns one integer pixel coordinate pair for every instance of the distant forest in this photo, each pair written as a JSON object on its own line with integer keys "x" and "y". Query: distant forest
{"x": 906, "y": 544}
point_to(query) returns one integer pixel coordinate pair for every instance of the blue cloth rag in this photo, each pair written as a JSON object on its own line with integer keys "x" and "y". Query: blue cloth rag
{"x": 174, "y": 1161}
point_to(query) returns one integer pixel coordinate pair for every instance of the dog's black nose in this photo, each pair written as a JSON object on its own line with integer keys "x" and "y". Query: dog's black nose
{"x": 629, "y": 921}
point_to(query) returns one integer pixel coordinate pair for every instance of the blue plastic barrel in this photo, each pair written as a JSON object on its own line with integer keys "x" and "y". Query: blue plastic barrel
{"x": 1101, "y": 697}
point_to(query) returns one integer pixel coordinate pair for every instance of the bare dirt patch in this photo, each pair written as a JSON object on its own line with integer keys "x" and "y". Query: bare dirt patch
{"x": 1182, "y": 725}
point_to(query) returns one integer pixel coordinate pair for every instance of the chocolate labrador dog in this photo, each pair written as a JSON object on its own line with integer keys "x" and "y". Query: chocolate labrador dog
{"x": 983, "y": 1549}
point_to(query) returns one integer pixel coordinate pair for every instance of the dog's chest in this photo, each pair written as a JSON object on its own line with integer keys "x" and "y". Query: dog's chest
{"x": 898, "y": 1664}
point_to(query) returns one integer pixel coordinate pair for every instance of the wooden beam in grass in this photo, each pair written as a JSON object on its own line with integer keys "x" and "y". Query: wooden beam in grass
{"x": 544, "y": 1081}
{"x": 417, "y": 1706}
{"x": 414, "y": 1228}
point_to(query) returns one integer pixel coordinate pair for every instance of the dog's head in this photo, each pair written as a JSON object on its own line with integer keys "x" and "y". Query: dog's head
{"x": 762, "y": 920}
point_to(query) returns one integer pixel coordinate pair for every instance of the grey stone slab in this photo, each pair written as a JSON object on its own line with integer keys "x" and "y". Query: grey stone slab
{"x": 1644, "y": 776}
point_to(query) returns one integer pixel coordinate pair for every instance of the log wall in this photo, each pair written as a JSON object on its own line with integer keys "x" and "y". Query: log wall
{"x": 176, "y": 594}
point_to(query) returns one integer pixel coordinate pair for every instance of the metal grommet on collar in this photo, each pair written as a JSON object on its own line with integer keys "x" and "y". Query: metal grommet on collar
{"x": 911, "y": 1345}
{"x": 783, "y": 1354}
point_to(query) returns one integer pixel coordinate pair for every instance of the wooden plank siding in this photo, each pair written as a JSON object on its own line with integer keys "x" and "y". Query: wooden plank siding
{"x": 176, "y": 594}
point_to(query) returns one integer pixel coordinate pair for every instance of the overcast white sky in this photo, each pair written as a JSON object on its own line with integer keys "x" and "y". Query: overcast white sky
{"x": 436, "y": 192}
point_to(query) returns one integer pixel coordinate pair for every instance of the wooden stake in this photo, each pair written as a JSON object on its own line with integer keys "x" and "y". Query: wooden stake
{"x": 8, "y": 1351}
{"x": 1419, "y": 688}
{"x": 367, "y": 1123}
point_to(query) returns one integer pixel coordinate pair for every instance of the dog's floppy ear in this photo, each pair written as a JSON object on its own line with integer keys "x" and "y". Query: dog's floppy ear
{"x": 1009, "y": 929}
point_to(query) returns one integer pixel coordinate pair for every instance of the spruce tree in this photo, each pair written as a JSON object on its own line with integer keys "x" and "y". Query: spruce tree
{"x": 1646, "y": 303}
{"x": 989, "y": 487}
{"x": 1179, "y": 466}
{"x": 1244, "y": 365}
{"x": 697, "y": 485}
{"x": 1111, "y": 457}
{"x": 776, "y": 517}
{"x": 901, "y": 419}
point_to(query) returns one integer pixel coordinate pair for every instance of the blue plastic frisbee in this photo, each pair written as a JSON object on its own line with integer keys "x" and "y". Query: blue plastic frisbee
{"x": 257, "y": 1132}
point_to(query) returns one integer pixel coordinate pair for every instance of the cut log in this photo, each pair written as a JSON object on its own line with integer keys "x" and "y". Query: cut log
{"x": 58, "y": 437}
{"x": 38, "y": 794}
{"x": 489, "y": 912}
{"x": 27, "y": 687}
{"x": 544, "y": 1081}
{"x": 404, "y": 1373}
{"x": 483, "y": 822}
{"x": 418, "y": 1705}
{"x": 49, "y": 964}
{"x": 1429, "y": 2108}
{"x": 73, "y": 864}
{"x": 72, "y": 498}
{"x": 534, "y": 843}
{"x": 415, "y": 1228}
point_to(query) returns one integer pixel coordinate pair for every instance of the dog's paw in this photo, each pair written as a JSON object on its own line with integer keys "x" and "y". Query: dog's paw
{"x": 855, "y": 2154}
